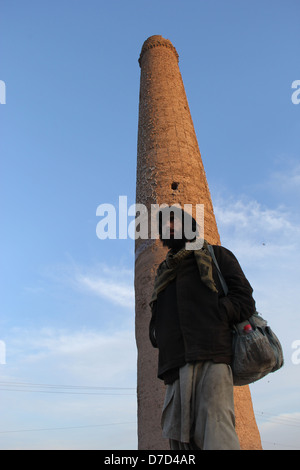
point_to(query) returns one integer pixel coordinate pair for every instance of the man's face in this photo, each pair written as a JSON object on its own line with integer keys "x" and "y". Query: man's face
{"x": 172, "y": 232}
{"x": 172, "y": 228}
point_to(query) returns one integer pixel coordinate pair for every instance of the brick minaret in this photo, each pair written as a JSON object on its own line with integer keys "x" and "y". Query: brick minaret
{"x": 169, "y": 170}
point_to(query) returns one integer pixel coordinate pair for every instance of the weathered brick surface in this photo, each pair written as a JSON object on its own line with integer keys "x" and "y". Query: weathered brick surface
{"x": 168, "y": 152}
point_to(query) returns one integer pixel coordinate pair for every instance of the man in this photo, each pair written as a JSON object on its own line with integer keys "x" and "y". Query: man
{"x": 191, "y": 326}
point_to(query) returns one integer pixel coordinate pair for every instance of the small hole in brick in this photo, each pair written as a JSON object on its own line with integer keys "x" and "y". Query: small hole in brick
{"x": 174, "y": 185}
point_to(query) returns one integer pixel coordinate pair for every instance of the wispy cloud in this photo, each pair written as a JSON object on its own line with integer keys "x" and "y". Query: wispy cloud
{"x": 248, "y": 224}
{"x": 111, "y": 283}
{"x": 247, "y": 220}
{"x": 88, "y": 355}
{"x": 116, "y": 291}
{"x": 253, "y": 216}
{"x": 266, "y": 242}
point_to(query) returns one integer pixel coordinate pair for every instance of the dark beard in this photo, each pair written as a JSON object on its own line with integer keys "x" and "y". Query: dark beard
{"x": 174, "y": 243}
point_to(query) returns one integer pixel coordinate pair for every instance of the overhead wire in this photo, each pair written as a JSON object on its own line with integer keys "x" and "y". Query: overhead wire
{"x": 280, "y": 419}
{"x": 64, "y": 389}
{"x": 105, "y": 390}
{"x": 67, "y": 427}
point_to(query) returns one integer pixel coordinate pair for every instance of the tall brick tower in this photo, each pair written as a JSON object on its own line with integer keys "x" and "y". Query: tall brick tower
{"x": 169, "y": 170}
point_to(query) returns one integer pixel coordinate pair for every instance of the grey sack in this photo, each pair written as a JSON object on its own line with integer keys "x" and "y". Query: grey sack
{"x": 255, "y": 353}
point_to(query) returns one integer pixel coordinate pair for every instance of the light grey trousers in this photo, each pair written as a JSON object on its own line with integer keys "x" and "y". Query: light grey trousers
{"x": 198, "y": 412}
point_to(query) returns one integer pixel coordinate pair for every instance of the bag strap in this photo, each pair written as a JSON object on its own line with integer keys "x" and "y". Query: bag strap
{"x": 222, "y": 280}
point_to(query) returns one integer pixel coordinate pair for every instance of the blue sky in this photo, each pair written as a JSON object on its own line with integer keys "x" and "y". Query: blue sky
{"x": 68, "y": 144}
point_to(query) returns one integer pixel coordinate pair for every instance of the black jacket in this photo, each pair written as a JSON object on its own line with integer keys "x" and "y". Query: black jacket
{"x": 190, "y": 322}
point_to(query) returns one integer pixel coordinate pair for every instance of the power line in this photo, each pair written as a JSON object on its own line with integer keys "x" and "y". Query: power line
{"x": 290, "y": 418}
{"x": 64, "y": 389}
{"x": 66, "y": 386}
{"x": 67, "y": 427}
{"x": 284, "y": 420}
{"x": 67, "y": 393}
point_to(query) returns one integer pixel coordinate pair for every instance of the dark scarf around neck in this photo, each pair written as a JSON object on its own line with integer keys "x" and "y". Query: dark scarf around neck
{"x": 167, "y": 270}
